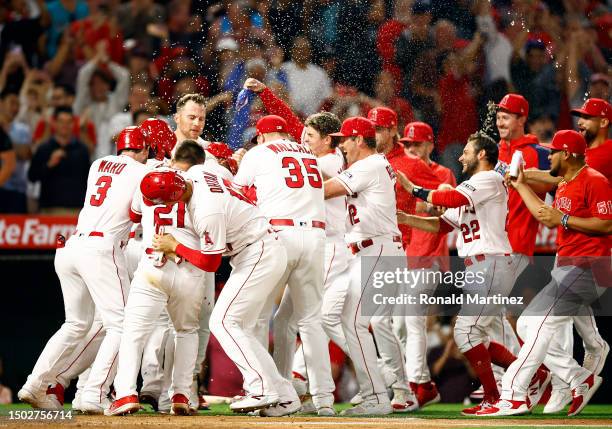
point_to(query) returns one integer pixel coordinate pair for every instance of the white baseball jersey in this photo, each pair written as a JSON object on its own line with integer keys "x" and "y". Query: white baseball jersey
{"x": 111, "y": 184}
{"x": 371, "y": 202}
{"x": 225, "y": 220}
{"x": 288, "y": 180}
{"x": 331, "y": 165}
{"x": 483, "y": 222}
{"x": 165, "y": 219}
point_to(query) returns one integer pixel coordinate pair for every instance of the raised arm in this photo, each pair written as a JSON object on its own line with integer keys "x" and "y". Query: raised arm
{"x": 276, "y": 106}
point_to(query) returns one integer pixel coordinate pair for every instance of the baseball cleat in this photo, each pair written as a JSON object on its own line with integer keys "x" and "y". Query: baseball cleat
{"x": 326, "y": 412}
{"x": 122, "y": 406}
{"x": 559, "y": 398}
{"x": 484, "y": 404}
{"x": 594, "y": 362}
{"x": 404, "y": 401}
{"x": 202, "y": 404}
{"x": 38, "y": 400}
{"x": 537, "y": 387}
{"x": 56, "y": 393}
{"x": 146, "y": 398}
{"x": 504, "y": 407}
{"x": 253, "y": 402}
{"x": 299, "y": 384}
{"x": 372, "y": 407}
{"x": 308, "y": 407}
{"x": 427, "y": 394}
{"x": 282, "y": 408}
{"x": 582, "y": 394}
{"x": 357, "y": 399}
{"x": 180, "y": 406}
{"x": 88, "y": 407}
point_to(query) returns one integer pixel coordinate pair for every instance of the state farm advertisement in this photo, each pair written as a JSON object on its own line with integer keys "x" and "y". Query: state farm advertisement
{"x": 34, "y": 232}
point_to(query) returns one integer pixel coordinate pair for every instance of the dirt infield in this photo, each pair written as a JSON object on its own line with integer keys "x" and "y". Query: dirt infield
{"x": 242, "y": 422}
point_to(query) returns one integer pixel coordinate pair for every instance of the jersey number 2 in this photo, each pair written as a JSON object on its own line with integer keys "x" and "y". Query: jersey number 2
{"x": 471, "y": 232}
{"x": 167, "y": 210}
{"x": 103, "y": 184}
{"x": 296, "y": 177}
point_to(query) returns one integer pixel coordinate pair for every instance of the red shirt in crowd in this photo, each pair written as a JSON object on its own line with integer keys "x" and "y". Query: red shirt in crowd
{"x": 427, "y": 244}
{"x": 93, "y": 34}
{"x": 600, "y": 158}
{"x": 521, "y": 226}
{"x": 459, "y": 116}
{"x": 39, "y": 130}
{"x": 419, "y": 173}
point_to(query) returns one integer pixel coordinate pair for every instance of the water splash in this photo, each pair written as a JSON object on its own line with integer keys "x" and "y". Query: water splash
{"x": 488, "y": 125}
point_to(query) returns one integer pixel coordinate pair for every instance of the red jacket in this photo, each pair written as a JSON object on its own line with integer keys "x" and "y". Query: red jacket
{"x": 521, "y": 226}
{"x": 419, "y": 173}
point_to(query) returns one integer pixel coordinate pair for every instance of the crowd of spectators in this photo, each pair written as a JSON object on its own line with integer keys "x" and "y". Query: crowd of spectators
{"x": 73, "y": 73}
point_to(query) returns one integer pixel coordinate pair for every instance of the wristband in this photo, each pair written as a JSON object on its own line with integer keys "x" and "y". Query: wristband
{"x": 421, "y": 193}
{"x": 564, "y": 220}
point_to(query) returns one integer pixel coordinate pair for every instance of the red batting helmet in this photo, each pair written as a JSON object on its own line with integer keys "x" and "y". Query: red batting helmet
{"x": 161, "y": 187}
{"x": 159, "y": 136}
{"x": 219, "y": 150}
{"x": 130, "y": 138}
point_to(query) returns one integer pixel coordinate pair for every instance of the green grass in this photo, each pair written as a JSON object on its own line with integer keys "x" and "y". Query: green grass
{"x": 437, "y": 411}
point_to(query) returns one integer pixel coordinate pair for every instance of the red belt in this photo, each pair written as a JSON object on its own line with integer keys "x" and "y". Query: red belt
{"x": 290, "y": 222}
{"x": 359, "y": 245}
{"x": 479, "y": 258}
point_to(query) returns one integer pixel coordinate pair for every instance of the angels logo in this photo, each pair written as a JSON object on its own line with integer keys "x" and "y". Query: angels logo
{"x": 505, "y": 99}
{"x": 373, "y": 115}
{"x": 411, "y": 132}
{"x": 207, "y": 239}
{"x": 564, "y": 204}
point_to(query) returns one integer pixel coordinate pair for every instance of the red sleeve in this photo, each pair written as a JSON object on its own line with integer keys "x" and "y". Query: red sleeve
{"x": 449, "y": 198}
{"x": 135, "y": 217}
{"x": 276, "y": 106}
{"x": 445, "y": 227}
{"x": 424, "y": 176}
{"x": 599, "y": 198}
{"x": 206, "y": 262}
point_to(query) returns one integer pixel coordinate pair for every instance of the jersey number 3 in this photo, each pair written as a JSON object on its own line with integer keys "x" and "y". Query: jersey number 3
{"x": 296, "y": 177}
{"x": 104, "y": 183}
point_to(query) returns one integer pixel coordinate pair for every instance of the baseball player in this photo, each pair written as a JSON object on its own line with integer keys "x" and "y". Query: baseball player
{"x": 93, "y": 273}
{"x": 290, "y": 194}
{"x": 389, "y": 345}
{"x": 229, "y": 224}
{"x": 581, "y": 206}
{"x": 594, "y": 124}
{"x": 427, "y": 251}
{"x": 315, "y": 134}
{"x": 162, "y": 283}
{"x": 369, "y": 183}
{"x": 478, "y": 208}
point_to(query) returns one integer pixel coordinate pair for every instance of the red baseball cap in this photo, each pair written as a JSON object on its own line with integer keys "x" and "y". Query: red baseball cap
{"x": 569, "y": 140}
{"x": 514, "y": 103}
{"x": 271, "y": 124}
{"x": 417, "y": 132}
{"x": 383, "y": 117}
{"x": 356, "y": 126}
{"x": 595, "y": 107}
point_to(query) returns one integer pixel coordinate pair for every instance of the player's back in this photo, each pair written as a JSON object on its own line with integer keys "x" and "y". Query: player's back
{"x": 111, "y": 184}
{"x": 331, "y": 165}
{"x": 215, "y": 197}
{"x": 288, "y": 180}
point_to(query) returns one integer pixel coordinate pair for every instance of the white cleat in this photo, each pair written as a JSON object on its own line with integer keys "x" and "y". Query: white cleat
{"x": 300, "y": 386}
{"x": 326, "y": 412}
{"x": 308, "y": 407}
{"x": 404, "y": 401}
{"x": 372, "y": 407}
{"x": 95, "y": 408}
{"x": 504, "y": 407}
{"x": 38, "y": 400}
{"x": 559, "y": 399}
{"x": 283, "y": 408}
{"x": 254, "y": 402}
{"x": 594, "y": 362}
{"x": 357, "y": 399}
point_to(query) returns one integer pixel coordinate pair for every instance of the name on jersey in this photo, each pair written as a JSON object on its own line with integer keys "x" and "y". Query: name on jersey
{"x": 111, "y": 167}
{"x": 213, "y": 183}
{"x": 289, "y": 147}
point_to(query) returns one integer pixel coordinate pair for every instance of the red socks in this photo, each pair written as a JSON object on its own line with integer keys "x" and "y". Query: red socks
{"x": 480, "y": 360}
{"x": 500, "y": 355}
